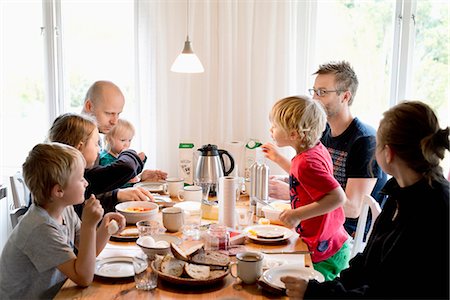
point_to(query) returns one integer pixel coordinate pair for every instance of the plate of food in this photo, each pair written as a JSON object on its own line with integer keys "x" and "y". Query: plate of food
{"x": 129, "y": 234}
{"x": 272, "y": 276}
{"x": 114, "y": 267}
{"x": 268, "y": 233}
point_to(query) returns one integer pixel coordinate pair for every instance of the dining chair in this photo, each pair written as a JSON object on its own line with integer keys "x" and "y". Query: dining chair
{"x": 17, "y": 214}
{"x": 358, "y": 242}
{"x": 21, "y": 196}
{"x": 20, "y": 193}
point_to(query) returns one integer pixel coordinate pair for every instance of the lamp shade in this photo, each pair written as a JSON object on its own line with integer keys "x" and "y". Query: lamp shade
{"x": 187, "y": 61}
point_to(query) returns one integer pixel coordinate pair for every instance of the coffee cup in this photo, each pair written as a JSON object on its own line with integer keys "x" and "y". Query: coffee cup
{"x": 174, "y": 184}
{"x": 190, "y": 193}
{"x": 249, "y": 266}
{"x": 172, "y": 218}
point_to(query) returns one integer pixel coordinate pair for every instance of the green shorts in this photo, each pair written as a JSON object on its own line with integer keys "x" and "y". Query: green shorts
{"x": 331, "y": 267}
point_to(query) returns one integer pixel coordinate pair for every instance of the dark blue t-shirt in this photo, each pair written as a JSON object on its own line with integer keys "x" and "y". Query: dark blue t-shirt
{"x": 353, "y": 155}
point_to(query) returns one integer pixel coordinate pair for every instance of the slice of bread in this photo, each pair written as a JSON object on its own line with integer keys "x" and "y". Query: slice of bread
{"x": 172, "y": 266}
{"x": 197, "y": 271}
{"x": 211, "y": 258}
{"x": 185, "y": 254}
{"x": 129, "y": 232}
{"x": 270, "y": 235}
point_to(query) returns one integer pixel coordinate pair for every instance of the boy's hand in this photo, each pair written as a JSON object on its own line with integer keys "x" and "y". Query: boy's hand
{"x": 119, "y": 218}
{"x": 92, "y": 211}
{"x": 290, "y": 217}
{"x": 270, "y": 151}
{"x": 141, "y": 155}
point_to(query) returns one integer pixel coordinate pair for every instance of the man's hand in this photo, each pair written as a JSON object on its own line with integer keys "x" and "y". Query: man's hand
{"x": 278, "y": 189}
{"x": 153, "y": 175}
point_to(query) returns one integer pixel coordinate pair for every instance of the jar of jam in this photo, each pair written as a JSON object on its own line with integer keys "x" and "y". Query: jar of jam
{"x": 217, "y": 238}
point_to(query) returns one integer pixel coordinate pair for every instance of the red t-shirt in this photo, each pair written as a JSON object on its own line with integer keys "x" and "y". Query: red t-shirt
{"x": 311, "y": 177}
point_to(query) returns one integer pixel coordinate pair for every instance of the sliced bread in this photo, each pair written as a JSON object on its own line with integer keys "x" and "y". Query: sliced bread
{"x": 197, "y": 271}
{"x": 172, "y": 266}
{"x": 211, "y": 258}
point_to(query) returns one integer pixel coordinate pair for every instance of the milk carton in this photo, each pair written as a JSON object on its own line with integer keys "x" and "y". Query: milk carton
{"x": 253, "y": 153}
{"x": 186, "y": 162}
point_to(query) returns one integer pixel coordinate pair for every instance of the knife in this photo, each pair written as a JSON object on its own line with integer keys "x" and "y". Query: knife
{"x": 288, "y": 252}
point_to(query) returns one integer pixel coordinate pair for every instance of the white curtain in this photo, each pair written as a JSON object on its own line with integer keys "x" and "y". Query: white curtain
{"x": 247, "y": 49}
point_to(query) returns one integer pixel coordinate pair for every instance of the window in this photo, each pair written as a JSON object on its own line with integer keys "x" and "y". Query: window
{"x": 360, "y": 32}
{"x": 97, "y": 44}
{"x": 430, "y": 77}
{"x": 24, "y": 111}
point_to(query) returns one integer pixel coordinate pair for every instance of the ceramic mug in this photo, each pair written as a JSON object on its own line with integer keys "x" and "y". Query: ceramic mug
{"x": 249, "y": 266}
{"x": 172, "y": 218}
{"x": 174, "y": 184}
{"x": 191, "y": 193}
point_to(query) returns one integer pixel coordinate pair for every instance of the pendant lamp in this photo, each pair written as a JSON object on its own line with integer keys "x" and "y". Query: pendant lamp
{"x": 187, "y": 61}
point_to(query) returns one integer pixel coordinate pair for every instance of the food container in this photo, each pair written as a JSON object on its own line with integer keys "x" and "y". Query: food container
{"x": 272, "y": 212}
{"x": 135, "y": 211}
{"x": 152, "y": 250}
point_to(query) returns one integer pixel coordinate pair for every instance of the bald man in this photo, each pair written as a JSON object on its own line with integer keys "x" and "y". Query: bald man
{"x": 104, "y": 101}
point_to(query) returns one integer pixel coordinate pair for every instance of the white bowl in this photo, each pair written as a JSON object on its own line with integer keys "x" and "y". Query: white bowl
{"x": 273, "y": 211}
{"x": 134, "y": 217}
{"x": 189, "y": 205}
{"x": 152, "y": 251}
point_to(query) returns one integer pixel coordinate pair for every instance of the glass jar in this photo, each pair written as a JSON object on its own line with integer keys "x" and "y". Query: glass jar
{"x": 217, "y": 238}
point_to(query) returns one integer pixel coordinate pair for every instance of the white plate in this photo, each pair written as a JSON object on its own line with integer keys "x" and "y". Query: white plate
{"x": 273, "y": 275}
{"x": 153, "y": 187}
{"x": 261, "y": 229}
{"x": 114, "y": 267}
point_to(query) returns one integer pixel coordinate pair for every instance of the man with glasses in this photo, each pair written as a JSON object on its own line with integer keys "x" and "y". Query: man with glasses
{"x": 350, "y": 142}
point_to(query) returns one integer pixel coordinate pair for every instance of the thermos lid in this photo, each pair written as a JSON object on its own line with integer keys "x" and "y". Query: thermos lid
{"x": 209, "y": 150}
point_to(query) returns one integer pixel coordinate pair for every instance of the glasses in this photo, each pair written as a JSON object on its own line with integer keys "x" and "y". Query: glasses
{"x": 322, "y": 92}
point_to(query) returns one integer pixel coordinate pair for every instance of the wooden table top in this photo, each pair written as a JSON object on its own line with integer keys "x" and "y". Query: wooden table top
{"x": 227, "y": 289}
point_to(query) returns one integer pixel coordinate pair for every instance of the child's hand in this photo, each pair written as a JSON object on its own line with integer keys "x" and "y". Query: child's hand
{"x": 290, "y": 217}
{"x": 270, "y": 152}
{"x": 119, "y": 218}
{"x": 92, "y": 211}
{"x": 141, "y": 155}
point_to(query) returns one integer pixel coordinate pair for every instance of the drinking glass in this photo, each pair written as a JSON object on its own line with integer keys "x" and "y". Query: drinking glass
{"x": 192, "y": 221}
{"x": 244, "y": 217}
{"x": 148, "y": 227}
{"x": 206, "y": 188}
{"x": 144, "y": 276}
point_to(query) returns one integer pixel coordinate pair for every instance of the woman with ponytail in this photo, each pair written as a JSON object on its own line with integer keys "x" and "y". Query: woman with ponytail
{"x": 407, "y": 255}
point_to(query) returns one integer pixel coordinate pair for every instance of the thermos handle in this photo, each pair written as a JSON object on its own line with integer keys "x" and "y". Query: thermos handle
{"x": 221, "y": 152}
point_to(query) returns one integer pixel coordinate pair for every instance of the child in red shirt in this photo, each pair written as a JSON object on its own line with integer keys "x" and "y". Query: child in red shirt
{"x": 316, "y": 196}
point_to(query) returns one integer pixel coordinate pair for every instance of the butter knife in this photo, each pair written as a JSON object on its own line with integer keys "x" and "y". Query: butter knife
{"x": 288, "y": 252}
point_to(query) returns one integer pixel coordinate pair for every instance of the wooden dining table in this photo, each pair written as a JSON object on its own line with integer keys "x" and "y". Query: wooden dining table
{"x": 228, "y": 288}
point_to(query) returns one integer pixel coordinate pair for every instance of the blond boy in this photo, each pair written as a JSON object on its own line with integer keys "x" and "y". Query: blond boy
{"x": 316, "y": 196}
{"x": 39, "y": 255}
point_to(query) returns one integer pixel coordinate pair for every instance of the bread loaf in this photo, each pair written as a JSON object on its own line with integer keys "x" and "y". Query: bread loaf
{"x": 172, "y": 266}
